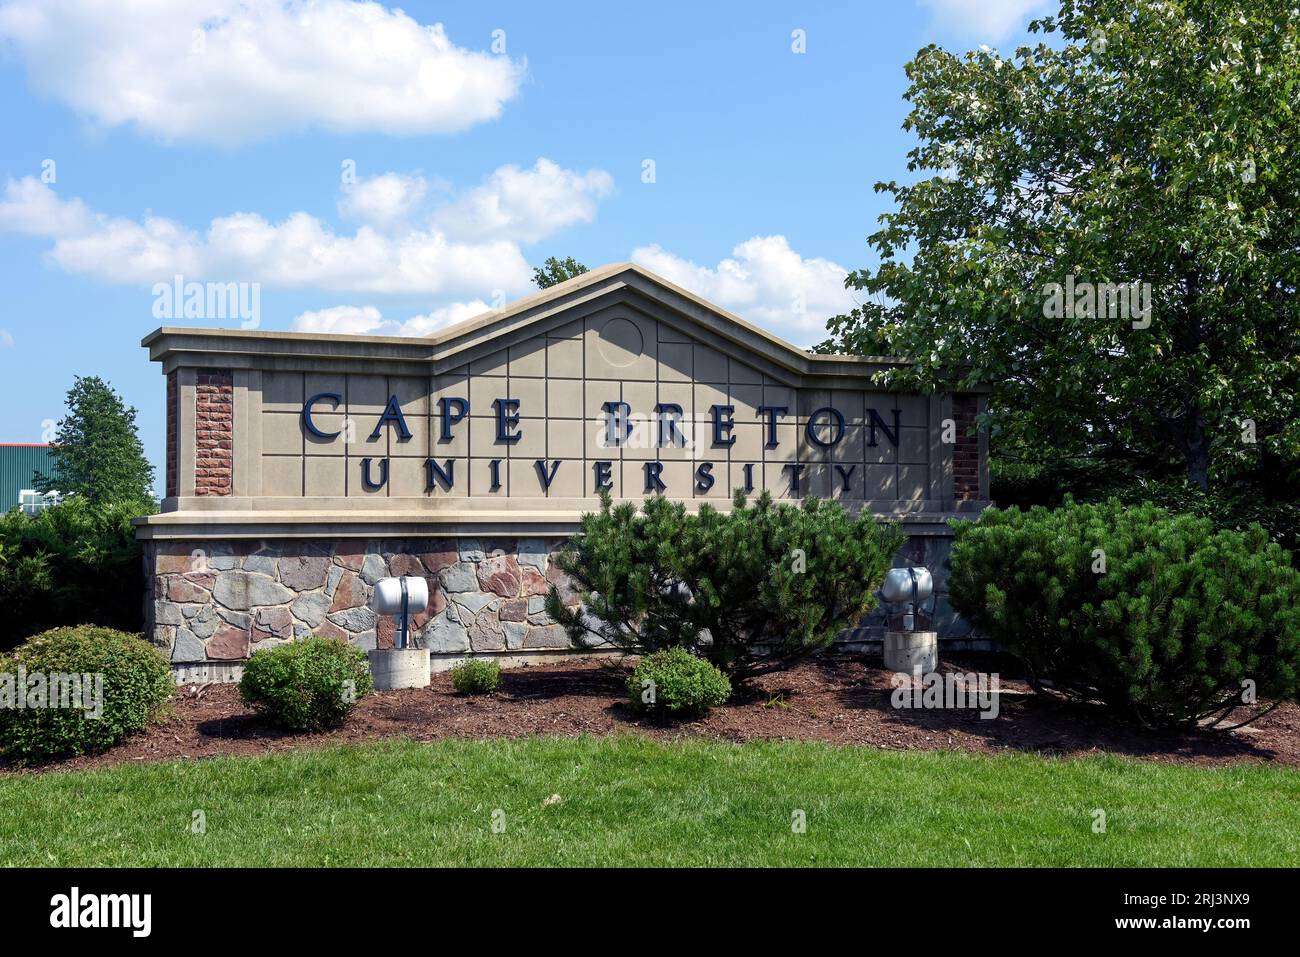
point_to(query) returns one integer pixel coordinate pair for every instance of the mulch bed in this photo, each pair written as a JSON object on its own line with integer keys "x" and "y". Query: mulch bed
{"x": 840, "y": 700}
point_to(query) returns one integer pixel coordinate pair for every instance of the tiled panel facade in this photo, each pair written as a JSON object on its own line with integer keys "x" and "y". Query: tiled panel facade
{"x": 561, "y": 385}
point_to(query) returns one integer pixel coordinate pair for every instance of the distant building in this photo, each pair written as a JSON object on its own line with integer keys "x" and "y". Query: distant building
{"x": 18, "y": 466}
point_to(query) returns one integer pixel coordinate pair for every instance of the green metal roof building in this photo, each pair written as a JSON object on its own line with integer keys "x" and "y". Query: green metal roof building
{"x": 18, "y": 463}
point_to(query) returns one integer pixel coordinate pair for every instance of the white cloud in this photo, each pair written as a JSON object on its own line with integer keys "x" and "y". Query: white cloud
{"x": 31, "y": 207}
{"x": 984, "y": 19}
{"x": 471, "y": 253}
{"x": 383, "y": 201}
{"x": 229, "y": 71}
{"x": 118, "y": 249}
{"x": 6, "y": 339}
{"x": 766, "y": 283}
{"x": 368, "y": 320}
{"x": 443, "y": 316}
{"x": 386, "y": 254}
{"x": 526, "y": 204}
{"x": 297, "y": 252}
{"x": 521, "y": 205}
{"x": 346, "y": 320}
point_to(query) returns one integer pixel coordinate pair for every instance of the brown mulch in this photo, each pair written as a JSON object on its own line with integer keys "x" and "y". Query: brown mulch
{"x": 839, "y": 700}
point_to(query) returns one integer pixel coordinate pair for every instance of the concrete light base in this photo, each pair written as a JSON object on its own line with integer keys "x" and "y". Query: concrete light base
{"x": 911, "y": 651}
{"x": 394, "y": 668}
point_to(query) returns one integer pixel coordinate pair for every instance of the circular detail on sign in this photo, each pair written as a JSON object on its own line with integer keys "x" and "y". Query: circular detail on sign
{"x": 620, "y": 342}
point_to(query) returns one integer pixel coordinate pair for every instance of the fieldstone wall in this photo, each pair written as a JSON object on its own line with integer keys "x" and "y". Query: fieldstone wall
{"x": 222, "y": 601}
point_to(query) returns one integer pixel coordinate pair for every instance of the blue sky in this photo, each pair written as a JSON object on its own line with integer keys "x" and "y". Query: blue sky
{"x": 212, "y": 139}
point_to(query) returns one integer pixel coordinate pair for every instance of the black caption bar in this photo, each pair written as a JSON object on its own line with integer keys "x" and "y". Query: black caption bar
{"x": 140, "y": 908}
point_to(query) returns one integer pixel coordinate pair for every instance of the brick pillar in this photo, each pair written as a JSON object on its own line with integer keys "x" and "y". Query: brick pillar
{"x": 966, "y": 452}
{"x": 214, "y": 419}
{"x": 173, "y": 469}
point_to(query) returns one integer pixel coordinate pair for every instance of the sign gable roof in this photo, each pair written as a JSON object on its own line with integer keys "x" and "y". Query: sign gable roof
{"x": 694, "y": 315}
{"x": 446, "y": 349}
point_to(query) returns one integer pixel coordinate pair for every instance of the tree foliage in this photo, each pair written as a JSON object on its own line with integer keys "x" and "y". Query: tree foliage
{"x": 555, "y": 271}
{"x": 1140, "y": 141}
{"x": 96, "y": 452}
{"x": 73, "y": 563}
{"x": 752, "y": 590}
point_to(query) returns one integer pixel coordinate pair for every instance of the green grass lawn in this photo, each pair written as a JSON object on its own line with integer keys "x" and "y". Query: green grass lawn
{"x": 631, "y": 800}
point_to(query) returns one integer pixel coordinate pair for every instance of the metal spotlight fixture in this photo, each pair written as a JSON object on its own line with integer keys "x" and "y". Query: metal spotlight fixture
{"x": 912, "y": 586}
{"x": 401, "y": 666}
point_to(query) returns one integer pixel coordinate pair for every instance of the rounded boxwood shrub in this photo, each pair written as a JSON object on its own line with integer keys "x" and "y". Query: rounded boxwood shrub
{"x": 676, "y": 682}
{"x": 123, "y": 682}
{"x": 306, "y": 685}
{"x": 476, "y": 676}
{"x": 1157, "y": 615}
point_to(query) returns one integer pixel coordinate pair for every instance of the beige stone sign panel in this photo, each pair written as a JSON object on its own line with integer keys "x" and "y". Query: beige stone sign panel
{"x": 616, "y": 380}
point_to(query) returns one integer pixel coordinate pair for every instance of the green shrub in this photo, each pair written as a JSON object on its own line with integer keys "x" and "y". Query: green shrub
{"x": 1157, "y": 615}
{"x": 476, "y": 676}
{"x": 130, "y": 678}
{"x": 307, "y": 685}
{"x": 1268, "y": 495}
{"x": 73, "y": 563}
{"x": 676, "y": 682}
{"x": 752, "y": 590}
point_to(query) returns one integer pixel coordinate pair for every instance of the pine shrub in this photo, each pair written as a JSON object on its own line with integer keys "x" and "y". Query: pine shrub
{"x": 752, "y": 590}
{"x": 1155, "y": 614}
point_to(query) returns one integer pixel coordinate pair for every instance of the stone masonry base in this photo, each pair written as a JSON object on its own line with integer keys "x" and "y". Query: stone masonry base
{"x": 214, "y": 603}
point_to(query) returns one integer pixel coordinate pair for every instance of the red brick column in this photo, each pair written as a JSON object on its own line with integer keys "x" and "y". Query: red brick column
{"x": 214, "y": 419}
{"x": 172, "y": 465}
{"x": 966, "y": 451}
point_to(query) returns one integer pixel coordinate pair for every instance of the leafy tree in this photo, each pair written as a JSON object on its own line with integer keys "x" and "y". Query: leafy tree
{"x": 1141, "y": 141}
{"x": 96, "y": 452}
{"x": 555, "y": 271}
{"x": 752, "y": 590}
